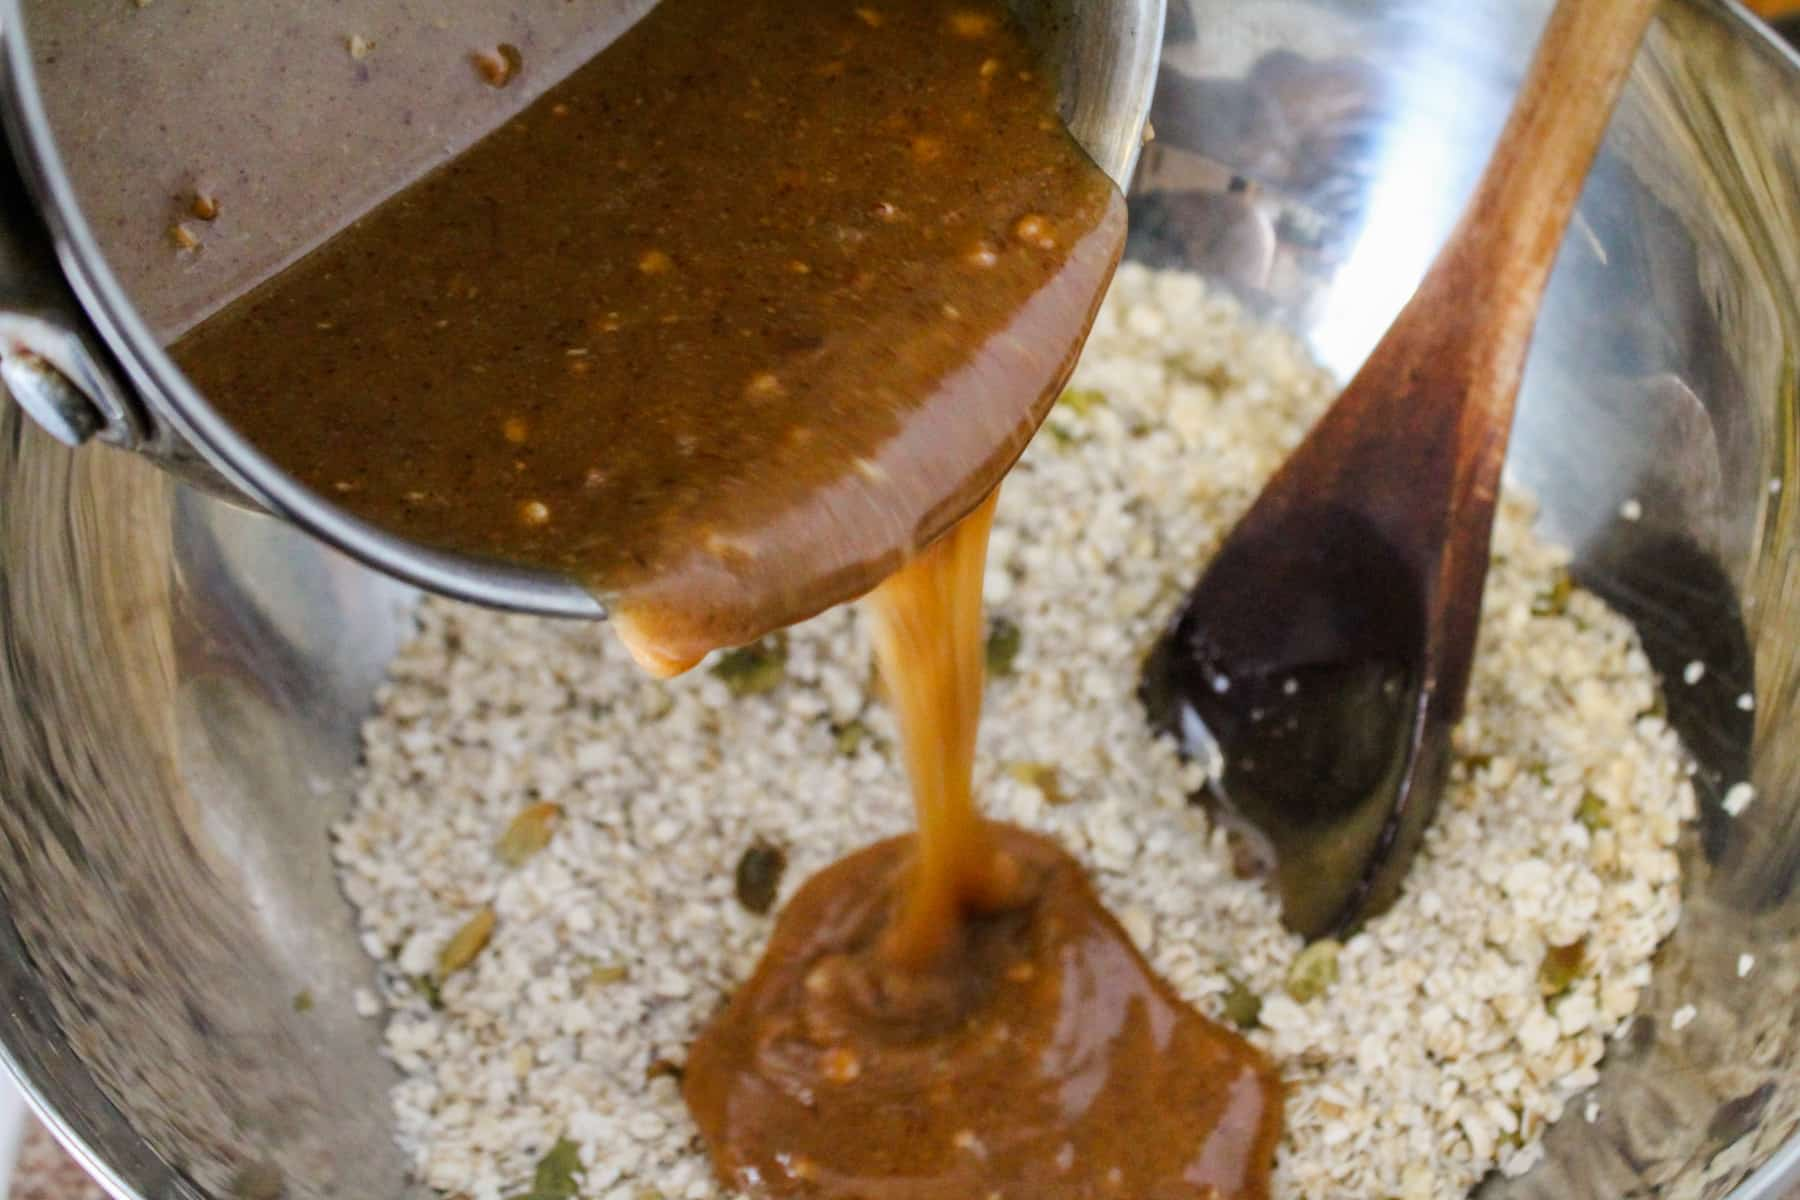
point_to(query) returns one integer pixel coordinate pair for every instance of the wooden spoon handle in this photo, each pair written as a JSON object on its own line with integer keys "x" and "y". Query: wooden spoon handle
{"x": 1426, "y": 419}
{"x": 1417, "y": 440}
{"x": 1510, "y": 232}
{"x": 1501, "y": 259}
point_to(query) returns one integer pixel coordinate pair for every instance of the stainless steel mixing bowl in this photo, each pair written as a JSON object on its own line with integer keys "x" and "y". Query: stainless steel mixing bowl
{"x": 181, "y": 681}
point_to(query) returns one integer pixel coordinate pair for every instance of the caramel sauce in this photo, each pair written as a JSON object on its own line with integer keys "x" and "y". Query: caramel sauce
{"x": 955, "y": 1014}
{"x": 934, "y": 678}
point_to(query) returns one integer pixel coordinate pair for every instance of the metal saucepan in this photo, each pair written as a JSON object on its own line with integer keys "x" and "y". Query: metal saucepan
{"x": 303, "y": 136}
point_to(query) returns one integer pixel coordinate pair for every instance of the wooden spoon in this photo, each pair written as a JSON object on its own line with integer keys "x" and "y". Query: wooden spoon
{"x": 1326, "y": 649}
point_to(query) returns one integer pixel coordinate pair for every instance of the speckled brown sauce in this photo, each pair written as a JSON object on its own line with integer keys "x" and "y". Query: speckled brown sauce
{"x": 731, "y": 326}
{"x": 1038, "y": 1058}
{"x": 725, "y": 325}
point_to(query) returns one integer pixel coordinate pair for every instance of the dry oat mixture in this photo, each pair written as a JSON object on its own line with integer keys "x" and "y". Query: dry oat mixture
{"x": 1433, "y": 1056}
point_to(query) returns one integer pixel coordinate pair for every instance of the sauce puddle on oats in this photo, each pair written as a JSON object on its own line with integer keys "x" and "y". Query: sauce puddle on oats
{"x": 955, "y": 1014}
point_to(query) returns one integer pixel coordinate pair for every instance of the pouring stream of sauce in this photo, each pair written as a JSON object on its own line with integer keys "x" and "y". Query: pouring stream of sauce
{"x": 934, "y": 679}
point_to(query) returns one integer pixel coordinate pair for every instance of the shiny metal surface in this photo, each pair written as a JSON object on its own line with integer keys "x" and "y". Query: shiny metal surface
{"x": 56, "y": 365}
{"x": 181, "y": 682}
{"x": 1106, "y": 57}
{"x": 1315, "y": 153}
{"x": 1106, "y": 53}
{"x": 45, "y": 393}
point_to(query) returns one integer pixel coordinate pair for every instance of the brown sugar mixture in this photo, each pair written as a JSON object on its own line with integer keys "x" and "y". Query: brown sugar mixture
{"x": 726, "y": 325}
{"x": 955, "y": 1015}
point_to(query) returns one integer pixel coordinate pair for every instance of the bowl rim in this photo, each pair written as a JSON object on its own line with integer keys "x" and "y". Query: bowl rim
{"x": 152, "y": 372}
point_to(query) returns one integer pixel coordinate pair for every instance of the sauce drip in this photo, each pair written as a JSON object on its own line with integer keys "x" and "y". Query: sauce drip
{"x": 725, "y": 326}
{"x": 934, "y": 679}
{"x": 955, "y": 1014}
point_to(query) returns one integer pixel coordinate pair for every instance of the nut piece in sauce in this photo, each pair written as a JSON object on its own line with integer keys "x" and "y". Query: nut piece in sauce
{"x": 840, "y": 1065}
{"x": 764, "y": 385}
{"x": 971, "y": 25}
{"x": 498, "y": 66}
{"x": 1035, "y": 230}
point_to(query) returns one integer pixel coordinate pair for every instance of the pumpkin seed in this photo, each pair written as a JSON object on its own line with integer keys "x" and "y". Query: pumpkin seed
{"x": 1554, "y": 602}
{"x": 1082, "y": 401}
{"x": 1041, "y": 776}
{"x": 1592, "y": 813}
{"x": 529, "y": 832}
{"x": 1561, "y": 967}
{"x": 849, "y": 737}
{"x": 554, "y": 1178}
{"x": 427, "y": 986}
{"x": 755, "y": 669}
{"x": 1004, "y": 640}
{"x": 1313, "y": 970}
{"x": 607, "y": 974}
{"x": 759, "y": 874}
{"x": 466, "y": 943}
{"x": 1243, "y": 1007}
